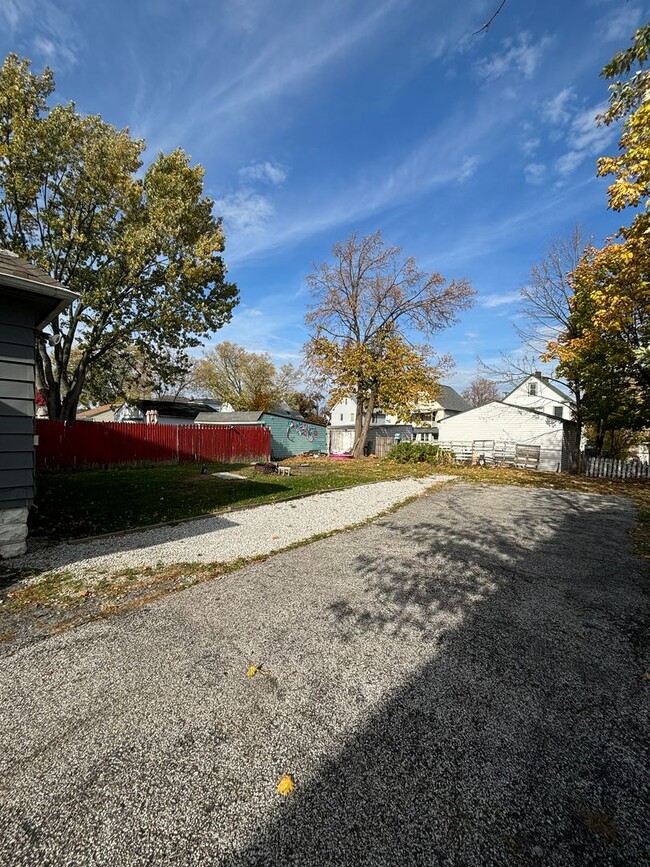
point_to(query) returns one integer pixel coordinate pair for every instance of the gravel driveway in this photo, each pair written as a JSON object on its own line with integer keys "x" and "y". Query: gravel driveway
{"x": 459, "y": 683}
{"x": 226, "y": 537}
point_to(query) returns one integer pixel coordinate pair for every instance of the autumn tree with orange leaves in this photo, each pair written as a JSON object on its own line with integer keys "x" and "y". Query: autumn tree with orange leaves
{"x": 367, "y": 304}
{"x": 606, "y": 342}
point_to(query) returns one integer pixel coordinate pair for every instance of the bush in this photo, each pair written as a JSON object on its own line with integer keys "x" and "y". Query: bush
{"x": 419, "y": 453}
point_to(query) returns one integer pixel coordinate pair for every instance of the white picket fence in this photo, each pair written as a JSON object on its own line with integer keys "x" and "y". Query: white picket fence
{"x": 610, "y": 468}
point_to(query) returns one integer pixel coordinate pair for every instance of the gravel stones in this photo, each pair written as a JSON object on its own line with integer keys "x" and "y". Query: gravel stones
{"x": 230, "y": 536}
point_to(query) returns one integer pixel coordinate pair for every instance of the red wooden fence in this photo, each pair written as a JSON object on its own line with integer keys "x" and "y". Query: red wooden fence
{"x": 87, "y": 444}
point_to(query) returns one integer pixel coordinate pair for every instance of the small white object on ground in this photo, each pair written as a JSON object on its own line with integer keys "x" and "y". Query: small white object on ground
{"x": 231, "y": 476}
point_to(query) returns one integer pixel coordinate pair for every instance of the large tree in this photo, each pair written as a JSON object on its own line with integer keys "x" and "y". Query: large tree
{"x": 630, "y": 99}
{"x": 366, "y": 304}
{"x": 245, "y": 380}
{"x": 127, "y": 375}
{"x": 142, "y": 250}
{"x": 605, "y": 343}
{"x": 481, "y": 391}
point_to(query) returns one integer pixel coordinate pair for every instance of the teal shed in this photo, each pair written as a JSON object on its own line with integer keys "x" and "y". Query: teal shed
{"x": 290, "y": 434}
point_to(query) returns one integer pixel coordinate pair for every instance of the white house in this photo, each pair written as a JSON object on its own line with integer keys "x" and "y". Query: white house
{"x": 448, "y": 403}
{"x": 506, "y": 426}
{"x": 537, "y": 392}
{"x": 422, "y": 425}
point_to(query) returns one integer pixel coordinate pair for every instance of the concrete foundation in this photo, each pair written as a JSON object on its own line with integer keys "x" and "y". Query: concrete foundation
{"x": 13, "y": 532}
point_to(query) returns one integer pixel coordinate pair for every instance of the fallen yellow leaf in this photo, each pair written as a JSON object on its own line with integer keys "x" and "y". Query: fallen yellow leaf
{"x": 286, "y": 785}
{"x": 252, "y": 671}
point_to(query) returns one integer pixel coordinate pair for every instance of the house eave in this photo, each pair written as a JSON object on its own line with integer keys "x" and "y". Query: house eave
{"x": 65, "y": 297}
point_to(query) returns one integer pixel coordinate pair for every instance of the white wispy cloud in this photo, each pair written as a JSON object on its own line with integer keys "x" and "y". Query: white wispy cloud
{"x": 267, "y": 171}
{"x": 585, "y": 139}
{"x": 272, "y": 66}
{"x": 620, "y": 24}
{"x": 244, "y": 211}
{"x": 52, "y": 52}
{"x": 535, "y": 173}
{"x": 498, "y": 299}
{"x": 559, "y": 108}
{"x": 530, "y": 145}
{"x": 518, "y": 56}
{"x": 261, "y": 328}
{"x": 48, "y": 28}
{"x": 10, "y": 13}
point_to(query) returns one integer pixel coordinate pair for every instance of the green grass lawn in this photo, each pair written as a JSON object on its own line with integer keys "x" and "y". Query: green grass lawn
{"x": 89, "y": 502}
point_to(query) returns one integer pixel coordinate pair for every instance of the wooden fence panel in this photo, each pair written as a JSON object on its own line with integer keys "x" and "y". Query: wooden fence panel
{"x": 88, "y": 444}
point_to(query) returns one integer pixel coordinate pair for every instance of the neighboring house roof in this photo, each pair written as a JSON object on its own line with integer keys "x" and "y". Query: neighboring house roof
{"x": 449, "y": 398}
{"x": 48, "y": 295}
{"x": 254, "y": 417}
{"x": 98, "y": 410}
{"x": 512, "y": 406}
{"x": 181, "y": 408}
{"x": 178, "y": 408}
{"x": 287, "y": 412}
{"x": 229, "y": 417}
{"x": 545, "y": 381}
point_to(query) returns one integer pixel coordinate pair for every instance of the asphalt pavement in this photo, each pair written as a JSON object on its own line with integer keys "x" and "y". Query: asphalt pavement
{"x": 459, "y": 683}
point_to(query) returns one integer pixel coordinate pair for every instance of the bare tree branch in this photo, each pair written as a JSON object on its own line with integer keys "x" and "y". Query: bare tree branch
{"x": 486, "y": 26}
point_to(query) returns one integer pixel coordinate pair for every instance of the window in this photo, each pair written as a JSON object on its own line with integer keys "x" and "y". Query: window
{"x": 351, "y": 416}
{"x": 532, "y": 389}
{"x": 557, "y": 411}
{"x": 341, "y": 416}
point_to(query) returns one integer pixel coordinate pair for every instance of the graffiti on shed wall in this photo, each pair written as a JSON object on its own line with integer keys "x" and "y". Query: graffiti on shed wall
{"x": 302, "y": 429}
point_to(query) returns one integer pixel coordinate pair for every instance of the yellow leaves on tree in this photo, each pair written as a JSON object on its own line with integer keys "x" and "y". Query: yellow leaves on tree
{"x": 630, "y": 98}
{"x": 366, "y": 305}
{"x": 246, "y": 380}
{"x": 607, "y": 345}
{"x": 142, "y": 249}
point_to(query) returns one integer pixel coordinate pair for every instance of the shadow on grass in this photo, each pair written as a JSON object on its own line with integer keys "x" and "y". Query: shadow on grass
{"x": 91, "y": 503}
{"x": 519, "y": 739}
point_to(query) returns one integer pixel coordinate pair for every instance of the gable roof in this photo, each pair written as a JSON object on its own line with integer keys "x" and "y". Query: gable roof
{"x": 545, "y": 382}
{"x": 450, "y": 399}
{"x": 515, "y": 407}
{"x": 48, "y": 296}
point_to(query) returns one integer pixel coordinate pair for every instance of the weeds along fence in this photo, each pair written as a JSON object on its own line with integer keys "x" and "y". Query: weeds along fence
{"x": 610, "y": 468}
{"x": 112, "y": 444}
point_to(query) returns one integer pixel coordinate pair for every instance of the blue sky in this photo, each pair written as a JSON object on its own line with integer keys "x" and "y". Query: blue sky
{"x": 314, "y": 120}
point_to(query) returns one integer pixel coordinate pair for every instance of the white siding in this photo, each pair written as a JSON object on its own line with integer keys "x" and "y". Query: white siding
{"x": 545, "y": 400}
{"x": 343, "y": 413}
{"x": 504, "y": 423}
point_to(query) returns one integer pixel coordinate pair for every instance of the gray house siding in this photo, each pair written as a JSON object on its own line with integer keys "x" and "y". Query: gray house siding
{"x": 16, "y": 403}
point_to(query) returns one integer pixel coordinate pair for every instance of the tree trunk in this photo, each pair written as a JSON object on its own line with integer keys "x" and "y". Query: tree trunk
{"x": 600, "y": 437}
{"x": 575, "y": 457}
{"x": 361, "y": 438}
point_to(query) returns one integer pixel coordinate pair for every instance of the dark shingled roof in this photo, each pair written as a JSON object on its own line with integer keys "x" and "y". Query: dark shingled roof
{"x": 448, "y": 398}
{"x": 19, "y": 278}
{"x": 13, "y": 266}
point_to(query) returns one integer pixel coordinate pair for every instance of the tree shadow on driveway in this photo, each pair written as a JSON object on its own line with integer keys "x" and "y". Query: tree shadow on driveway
{"x": 521, "y": 737}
